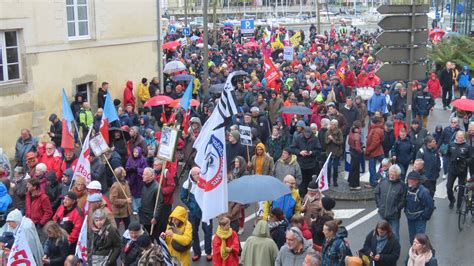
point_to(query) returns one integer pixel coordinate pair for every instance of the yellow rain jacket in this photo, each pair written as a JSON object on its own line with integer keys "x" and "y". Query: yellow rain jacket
{"x": 143, "y": 93}
{"x": 183, "y": 239}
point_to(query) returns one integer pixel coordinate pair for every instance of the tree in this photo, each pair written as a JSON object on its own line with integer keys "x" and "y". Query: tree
{"x": 457, "y": 49}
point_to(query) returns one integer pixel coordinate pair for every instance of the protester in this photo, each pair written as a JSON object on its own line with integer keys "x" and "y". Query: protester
{"x": 421, "y": 252}
{"x": 135, "y": 170}
{"x": 70, "y": 217}
{"x": 151, "y": 208}
{"x": 261, "y": 163}
{"x": 374, "y": 149}
{"x": 311, "y": 204}
{"x": 259, "y": 249}
{"x": 167, "y": 188}
{"x": 178, "y": 235}
{"x": 460, "y": 156}
{"x": 334, "y": 146}
{"x": 289, "y": 203}
{"x": 54, "y": 252}
{"x": 402, "y": 152}
{"x": 103, "y": 246}
{"x": 131, "y": 251}
{"x": 317, "y": 225}
{"x": 298, "y": 221}
{"x": 430, "y": 155}
{"x": 38, "y": 207}
{"x": 356, "y": 151}
{"x": 79, "y": 189}
{"x": 121, "y": 198}
{"x": 294, "y": 251}
{"x": 225, "y": 245}
{"x": 287, "y": 164}
{"x": 19, "y": 190}
{"x": 381, "y": 245}
{"x": 26, "y": 143}
{"x": 335, "y": 248}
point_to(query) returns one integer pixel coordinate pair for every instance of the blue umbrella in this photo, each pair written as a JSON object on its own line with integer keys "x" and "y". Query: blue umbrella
{"x": 183, "y": 77}
{"x": 255, "y": 188}
{"x": 295, "y": 109}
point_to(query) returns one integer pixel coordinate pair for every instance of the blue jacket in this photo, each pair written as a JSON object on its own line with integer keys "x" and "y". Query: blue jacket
{"x": 189, "y": 200}
{"x": 470, "y": 92}
{"x": 5, "y": 199}
{"x": 422, "y": 103}
{"x": 432, "y": 162}
{"x": 419, "y": 203}
{"x": 377, "y": 103}
{"x": 464, "y": 79}
{"x": 403, "y": 149}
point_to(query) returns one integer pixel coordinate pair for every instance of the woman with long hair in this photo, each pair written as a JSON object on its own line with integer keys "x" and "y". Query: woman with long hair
{"x": 381, "y": 245}
{"x": 335, "y": 247}
{"x": 421, "y": 252}
{"x": 54, "y": 252}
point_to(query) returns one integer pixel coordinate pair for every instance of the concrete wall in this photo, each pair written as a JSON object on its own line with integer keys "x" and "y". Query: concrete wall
{"x": 122, "y": 47}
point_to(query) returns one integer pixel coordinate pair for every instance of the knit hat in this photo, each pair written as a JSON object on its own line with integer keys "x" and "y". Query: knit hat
{"x": 41, "y": 167}
{"x": 414, "y": 175}
{"x": 389, "y": 124}
{"x": 99, "y": 214}
{"x": 235, "y": 134}
{"x": 399, "y": 116}
{"x": 328, "y": 203}
{"x": 71, "y": 195}
{"x": 94, "y": 197}
{"x": 8, "y": 238}
{"x": 307, "y": 132}
{"x": 300, "y": 123}
{"x": 313, "y": 186}
{"x": 143, "y": 241}
{"x": 68, "y": 172}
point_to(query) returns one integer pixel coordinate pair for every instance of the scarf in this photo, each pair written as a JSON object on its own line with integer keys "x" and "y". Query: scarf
{"x": 224, "y": 235}
{"x": 418, "y": 259}
{"x": 381, "y": 242}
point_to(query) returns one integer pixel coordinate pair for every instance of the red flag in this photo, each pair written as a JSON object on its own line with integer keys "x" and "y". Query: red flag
{"x": 341, "y": 70}
{"x": 271, "y": 72}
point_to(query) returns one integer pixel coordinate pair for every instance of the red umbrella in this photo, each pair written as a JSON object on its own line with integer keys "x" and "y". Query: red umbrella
{"x": 176, "y": 102}
{"x": 252, "y": 45}
{"x": 464, "y": 104}
{"x": 436, "y": 35}
{"x": 171, "y": 45}
{"x": 158, "y": 100}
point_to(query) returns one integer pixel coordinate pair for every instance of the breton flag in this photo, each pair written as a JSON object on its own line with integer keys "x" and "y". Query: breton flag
{"x": 211, "y": 191}
{"x": 322, "y": 180}
{"x": 67, "y": 140}
{"x": 81, "y": 247}
{"x": 20, "y": 253}
{"x": 83, "y": 166}
{"x": 108, "y": 116}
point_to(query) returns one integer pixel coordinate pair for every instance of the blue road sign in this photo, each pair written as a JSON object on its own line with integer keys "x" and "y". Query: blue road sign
{"x": 438, "y": 15}
{"x": 448, "y": 7}
{"x": 172, "y": 29}
{"x": 186, "y": 31}
{"x": 247, "y": 25}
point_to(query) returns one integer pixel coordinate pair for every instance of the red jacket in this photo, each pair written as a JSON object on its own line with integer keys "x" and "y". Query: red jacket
{"x": 74, "y": 217}
{"x": 167, "y": 186}
{"x": 397, "y": 125}
{"x": 349, "y": 79}
{"x": 374, "y": 142}
{"x": 434, "y": 87}
{"x": 38, "y": 208}
{"x": 306, "y": 232}
{"x": 128, "y": 97}
{"x": 53, "y": 163}
{"x": 231, "y": 242}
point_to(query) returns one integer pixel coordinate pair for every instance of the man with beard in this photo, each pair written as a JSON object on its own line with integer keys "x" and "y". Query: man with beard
{"x": 70, "y": 160}
{"x": 51, "y": 159}
{"x": 70, "y": 217}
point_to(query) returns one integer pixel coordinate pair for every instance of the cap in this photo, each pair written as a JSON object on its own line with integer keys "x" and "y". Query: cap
{"x": 68, "y": 172}
{"x": 235, "y": 134}
{"x": 414, "y": 175}
{"x": 94, "y": 185}
{"x": 30, "y": 155}
{"x": 300, "y": 123}
{"x": 52, "y": 117}
{"x": 328, "y": 203}
{"x": 313, "y": 186}
{"x": 94, "y": 197}
{"x": 143, "y": 241}
{"x": 8, "y": 238}
{"x": 71, "y": 195}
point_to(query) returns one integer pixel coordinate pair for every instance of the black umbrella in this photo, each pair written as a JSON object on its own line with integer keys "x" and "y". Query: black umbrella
{"x": 295, "y": 109}
{"x": 125, "y": 133}
{"x": 217, "y": 88}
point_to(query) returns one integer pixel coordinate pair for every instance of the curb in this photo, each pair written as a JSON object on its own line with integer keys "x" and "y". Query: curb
{"x": 343, "y": 193}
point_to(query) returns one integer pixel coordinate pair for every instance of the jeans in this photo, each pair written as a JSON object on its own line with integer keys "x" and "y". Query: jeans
{"x": 136, "y": 204}
{"x": 416, "y": 227}
{"x": 372, "y": 170}
{"x": 362, "y": 163}
{"x": 207, "y": 229}
{"x": 395, "y": 224}
{"x": 333, "y": 168}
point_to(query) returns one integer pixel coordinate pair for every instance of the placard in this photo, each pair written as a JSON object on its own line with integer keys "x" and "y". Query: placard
{"x": 288, "y": 53}
{"x": 98, "y": 145}
{"x": 245, "y": 135}
{"x": 168, "y": 141}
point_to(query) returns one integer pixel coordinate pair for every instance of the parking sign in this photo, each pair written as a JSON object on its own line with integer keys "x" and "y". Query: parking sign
{"x": 247, "y": 26}
{"x": 186, "y": 31}
{"x": 172, "y": 29}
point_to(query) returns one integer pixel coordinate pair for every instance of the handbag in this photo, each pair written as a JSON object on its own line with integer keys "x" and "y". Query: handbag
{"x": 177, "y": 246}
{"x": 443, "y": 149}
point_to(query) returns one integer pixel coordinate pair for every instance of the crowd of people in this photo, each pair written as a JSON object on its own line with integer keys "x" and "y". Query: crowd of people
{"x": 296, "y": 229}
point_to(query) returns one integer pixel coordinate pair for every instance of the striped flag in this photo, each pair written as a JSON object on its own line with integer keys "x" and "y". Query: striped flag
{"x": 108, "y": 116}
{"x": 67, "y": 140}
{"x": 211, "y": 191}
{"x": 83, "y": 166}
{"x": 20, "y": 253}
{"x": 81, "y": 247}
{"x": 323, "y": 182}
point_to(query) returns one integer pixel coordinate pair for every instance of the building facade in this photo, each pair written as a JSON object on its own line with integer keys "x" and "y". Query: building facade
{"x": 72, "y": 44}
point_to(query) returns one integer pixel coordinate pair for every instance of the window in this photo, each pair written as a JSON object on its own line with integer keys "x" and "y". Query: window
{"x": 85, "y": 90}
{"x": 9, "y": 56}
{"x": 77, "y": 19}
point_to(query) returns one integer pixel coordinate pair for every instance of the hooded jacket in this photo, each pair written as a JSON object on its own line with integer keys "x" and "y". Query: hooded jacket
{"x": 5, "y": 199}
{"x": 288, "y": 167}
{"x": 38, "y": 208}
{"x": 128, "y": 97}
{"x": 182, "y": 235}
{"x": 266, "y": 161}
{"x": 374, "y": 142}
{"x": 419, "y": 204}
{"x": 287, "y": 257}
{"x": 231, "y": 242}
{"x": 187, "y": 197}
{"x": 377, "y": 103}
{"x": 134, "y": 168}
{"x": 70, "y": 220}
{"x": 143, "y": 92}
{"x": 335, "y": 250}
{"x": 289, "y": 203}
{"x": 390, "y": 198}
{"x": 259, "y": 249}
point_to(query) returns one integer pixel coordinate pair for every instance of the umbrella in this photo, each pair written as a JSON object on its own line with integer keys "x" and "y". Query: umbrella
{"x": 125, "y": 133}
{"x": 464, "y": 104}
{"x": 201, "y": 45}
{"x": 194, "y": 38}
{"x": 183, "y": 77}
{"x": 240, "y": 73}
{"x": 297, "y": 110}
{"x": 174, "y": 66}
{"x": 252, "y": 45}
{"x": 217, "y": 88}
{"x": 254, "y": 188}
{"x": 171, "y": 45}
{"x": 176, "y": 103}
{"x": 158, "y": 100}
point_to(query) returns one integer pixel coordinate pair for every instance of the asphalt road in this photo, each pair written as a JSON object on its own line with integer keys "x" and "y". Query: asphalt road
{"x": 360, "y": 217}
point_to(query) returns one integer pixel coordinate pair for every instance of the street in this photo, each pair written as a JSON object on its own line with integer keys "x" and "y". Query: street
{"x": 360, "y": 217}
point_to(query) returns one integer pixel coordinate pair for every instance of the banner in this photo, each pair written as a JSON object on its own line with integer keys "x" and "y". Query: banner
{"x": 21, "y": 254}
{"x": 271, "y": 72}
{"x": 67, "y": 137}
{"x": 288, "y": 53}
{"x": 211, "y": 191}
{"x": 83, "y": 166}
{"x": 81, "y": 247}
{"x": 323, "y": 182}
{"x": 296, "y": 39}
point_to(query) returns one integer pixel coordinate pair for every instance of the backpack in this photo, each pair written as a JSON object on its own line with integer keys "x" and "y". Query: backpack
{"x": 287, "y": 204}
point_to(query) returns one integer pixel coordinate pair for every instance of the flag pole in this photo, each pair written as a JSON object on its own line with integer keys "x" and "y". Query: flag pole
{"x": 77, "y": 130}
{"x": 163, "y": 168}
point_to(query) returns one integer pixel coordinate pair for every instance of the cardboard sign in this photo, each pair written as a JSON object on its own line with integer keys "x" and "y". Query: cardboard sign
{"x": 98, "y": 145}
{"x": 168, "y": 141}
{"x": 245, "y": 135}
{"x": 288, "y": 53}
